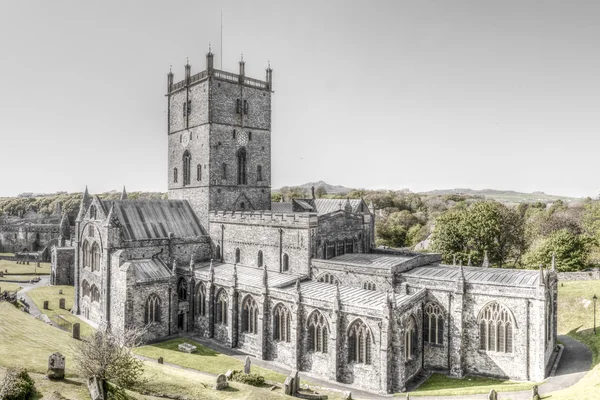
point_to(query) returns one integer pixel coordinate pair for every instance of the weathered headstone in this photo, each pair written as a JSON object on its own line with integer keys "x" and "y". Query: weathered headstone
{"x": 187, "y": 348}
{"x": 296, "y": 378}
{"x": 493, "y": 395}
{"x": 45, "y": 304}
{"x": 56, "y": 366}
{"x": 59, "y": 291}
{"x": 287, "y": 385}
{"x": 221, "y": 382}
{"x": 76, "y": 331}
{"x": 61, "y": 303}
{"x": 95, "y": 388}
{"x": 247, "y": 365}
{"x": 161, "y": 360}
{"x": 228, "y": 374}
{"x": 534, "y": 393}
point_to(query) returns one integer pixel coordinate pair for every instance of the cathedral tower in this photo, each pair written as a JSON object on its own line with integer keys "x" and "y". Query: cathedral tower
{"x": 219, "y": 129}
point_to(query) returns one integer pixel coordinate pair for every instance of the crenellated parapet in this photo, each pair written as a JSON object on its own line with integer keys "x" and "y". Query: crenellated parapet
{"x": 307, "y": 220}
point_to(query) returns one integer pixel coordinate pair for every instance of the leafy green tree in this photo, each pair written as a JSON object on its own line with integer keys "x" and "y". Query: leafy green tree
{"x": 449, "y": 236}
{"x": 572, "y": 251}
{"x": 320, "y": 191}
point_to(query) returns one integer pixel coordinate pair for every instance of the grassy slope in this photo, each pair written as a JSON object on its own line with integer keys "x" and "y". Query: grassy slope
{"x": 441, "y": 385}
{"x": 24, "y": 269}
{"x": 11, "y": 287}
{"x": 50, "y": 293}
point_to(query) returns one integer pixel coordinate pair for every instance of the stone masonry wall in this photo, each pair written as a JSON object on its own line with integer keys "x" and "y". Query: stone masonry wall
{"x": 592, "y": 274}
{"x": 62, "y": 265}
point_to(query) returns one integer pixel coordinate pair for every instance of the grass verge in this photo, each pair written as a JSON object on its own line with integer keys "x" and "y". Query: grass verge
{"x": 442, "y": 385}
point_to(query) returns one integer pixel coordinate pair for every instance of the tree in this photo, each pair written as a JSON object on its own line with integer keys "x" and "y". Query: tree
{"x": 449, "y": 236}
{"x": 109, "y": 357}
{"x": 572, "y": 251}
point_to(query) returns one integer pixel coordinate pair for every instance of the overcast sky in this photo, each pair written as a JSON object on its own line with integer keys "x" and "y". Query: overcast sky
{"x": 420, "y": 95}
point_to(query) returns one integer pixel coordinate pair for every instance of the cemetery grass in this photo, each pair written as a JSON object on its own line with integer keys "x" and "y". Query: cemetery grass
{"x": 27, "y": 342}
{"x": 442, "y": 385}
{"x": 50, "y": 293}
{"x": 11, "y": 287}
{"x": 205, "y": 359}
{"x": 24, "y": 269}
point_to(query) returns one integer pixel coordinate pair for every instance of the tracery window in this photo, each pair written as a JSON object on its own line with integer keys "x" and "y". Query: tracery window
{"x": 187, "y": 161}
{"x": 201, "y": 294}
{"x": 241, "y": 159}
{"x": 85, "y": 288}
{"x": 369, "y": 285}
{"x": 238, "y": 255}
{"x": 95, "y": 294}
{"x": 182, "y": 289}
{"x": 282, "y": 321}
{"x": 318, "y": 333}
{"x": 359, "y": 343}
{"x": 95, "y": 257}
{"x": 496, "y": 328}
{"x": 285, "y": 263}
{"x": 249, "y": 315}
{"x": 410, "y": 339}
{"x": 433, "y": 324}
{"x": 259, "y": 261}
{"x": 339, "y": 248}
{"x": 221, "y": 307}
{"x": 327, "y": 278}
{"x": 152, "y": 313}
{"x": 85, "y": 256}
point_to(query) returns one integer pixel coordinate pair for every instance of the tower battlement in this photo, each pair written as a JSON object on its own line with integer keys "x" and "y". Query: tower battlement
{"x": 265, "y": 217}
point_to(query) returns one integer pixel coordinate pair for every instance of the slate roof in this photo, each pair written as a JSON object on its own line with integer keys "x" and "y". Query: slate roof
{"x": 148, "y": 270}
{"x": 281, "y": 207}
{"x": 499, "y": 276}
{"x": 370, "y": 260}
{"x": 327, "y": 206}
{"x": 246, "y": 275}
{"x": 154, "y": 219}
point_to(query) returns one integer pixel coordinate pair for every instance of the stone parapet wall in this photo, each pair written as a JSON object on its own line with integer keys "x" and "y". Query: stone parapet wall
{"x": 264, "y": 218}
{"x": 590, "y": 275}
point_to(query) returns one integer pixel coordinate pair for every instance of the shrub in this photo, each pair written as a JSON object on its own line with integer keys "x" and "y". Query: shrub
{"x": 17, "y": 385}
{"x": 248, "y": 379}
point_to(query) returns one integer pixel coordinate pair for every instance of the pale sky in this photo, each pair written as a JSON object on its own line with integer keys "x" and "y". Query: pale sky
{"x": 420, "y": 95}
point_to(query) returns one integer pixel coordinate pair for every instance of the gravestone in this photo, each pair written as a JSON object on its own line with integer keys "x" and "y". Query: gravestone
{"x": 287, "y": 385}
{"x": 61, "y": 303}
{"x": 76, "y": 331}
{"x": 161, "y": 360}
{"x": 38, "y": 265}
{"x": 247, "y": 365}
{"x": 1, "y": 274}
{"x": 95, "y": 388}
{"x": 534, "y": 393}
{"x": 228, "y": 374}
{"x": 56, "y": 366}
{"x": 348, "y": 395}
{"x": 493, "y": 395}
{"x": 187, "y": 348}
{"x": 221, "y": 382}
{"x": 60, "y": 291}
{"x": 45, "y": 304}
{"x": 296, "y": 379}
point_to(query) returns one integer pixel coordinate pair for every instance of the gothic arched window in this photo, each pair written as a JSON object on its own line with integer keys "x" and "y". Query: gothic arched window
{"x": 259, "y": 173}
{"x": 182, "y": 289}
{"x": 201, "y": 296}
{"x": 152, "y": 309}
{"x": 339, "y": 248}
{"x": 187, "y": 163}
{"x": 329, "y": 250}
{"x": 85, "y": 256}
{"x": 93, "y": 212}
{"x": 285, "y": 263}
{"x": 259, "y": 261}
{"x": 369, "y": 285}
{"x": 223, "y": 171}
{"x": 359, "y": 343}
{"x": 318, "y": 332}
{"x": 95, "y": 294}
{"x": 85, "y": 288}
{"x": 410, "y": 339}
{"x": 218, "y": 252}
{"x": 95, "y": 257}
{"x": 249, "y": 315}
{"x": 328, "y": 278}
{"x": 199, "y": 172}
{"x": 221, "y": 307}
{"x": 175, "y": 175}
{"x": 349, "y": 246}
{"x": 241, "y": 161}
{"x": 433, "y": 324}
{"x": 496, "y": 328}
{"x": 282, "y": 321}
{"x": 238, "y": 255}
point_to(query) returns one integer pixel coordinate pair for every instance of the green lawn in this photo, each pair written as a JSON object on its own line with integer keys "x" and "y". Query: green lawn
{"x": 7, "y": 254}
{"x": 442, "y": 385}
{"x": 11, "y": 287}
{"x": 50, "y": 293}
{"x": 24, "y": 269}
{"x": 27, "y": 342}
{"x": 204, "y": 359}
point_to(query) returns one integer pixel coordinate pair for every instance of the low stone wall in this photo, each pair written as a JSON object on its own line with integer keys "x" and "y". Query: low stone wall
{"x": 589, "y": 275}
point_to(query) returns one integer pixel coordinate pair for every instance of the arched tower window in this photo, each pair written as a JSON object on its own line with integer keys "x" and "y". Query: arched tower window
{"x": 152, "y": 309}
{"x": 221, "y": 307}
{"x": 182, "y": 289}
{"x": 369, "y": 285}
{"x": 259, "y": 261}
{"x": 175, "y": 175}
{"x": 95, "y": 294}
{"x": 496, "y": 324}
{"x": 249, "y": 316}
{"x": 241, "y": 161}
{"x": 218, "y": 252}
{"x": 328, "y": 278}
{"x": 85, "y": 256}
{"x": 199, "y": 172}
{"x": 93, "y": 212}
{"x": 285, "y": 263}
{"x": 282, "y": 321}
{"x": 95, "y": 257}
{"x": 201, "y": 295}
{"x": 339, "y": 248}
{"x": 187, "y": 162}
{"x": 259, "y": 173}
{"x": 85, "y": 288}
{"x": 433, "y": 324}
{"x": 318, "y": 332}
{"x": 359, "y": 343}
{"x": 410, "y": 339}
{"x": 238, "y": 255}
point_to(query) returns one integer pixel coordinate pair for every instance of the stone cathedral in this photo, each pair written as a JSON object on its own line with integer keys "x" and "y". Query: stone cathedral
{"x": 299, "y": 283}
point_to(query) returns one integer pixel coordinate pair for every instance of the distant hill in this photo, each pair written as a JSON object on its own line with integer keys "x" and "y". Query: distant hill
{"x": 505, "y": 196}
{"x": 331, "y": 189}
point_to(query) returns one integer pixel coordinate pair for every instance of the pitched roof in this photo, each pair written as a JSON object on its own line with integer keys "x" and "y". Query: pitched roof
{"x": 154, "y": 219}
{"x": 148, "y": 269}
{"x": 498, "y": 276}
{"x": 246, "y": 275}
{"x": 280, "y": 207}
{"x": 327, "y": 206}
{"x": 370, "y": 259}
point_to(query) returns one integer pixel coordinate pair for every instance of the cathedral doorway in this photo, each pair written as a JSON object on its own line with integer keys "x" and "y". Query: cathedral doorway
{"x": 181, "y": 321}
